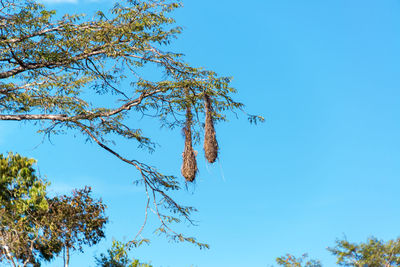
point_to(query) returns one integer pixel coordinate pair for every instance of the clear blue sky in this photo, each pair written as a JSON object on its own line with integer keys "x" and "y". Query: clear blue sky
{"x": 324, "y": 165}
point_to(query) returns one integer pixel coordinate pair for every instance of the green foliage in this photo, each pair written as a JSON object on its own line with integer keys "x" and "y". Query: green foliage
{"x": 117, "y": 256}
{"x": 78, "y": 219}
{"x": 52, "y": 66}
{"x": 21, "y": 191}
{"x": 292, "y": 261}
{"x": 373, "y": 253}
{"x": 75, "y": 221}
{"x": 22, "y": 200}
{"x": 35, "y": 227}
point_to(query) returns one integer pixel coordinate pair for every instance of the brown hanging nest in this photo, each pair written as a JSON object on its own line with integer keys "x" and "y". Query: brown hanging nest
{"x": 189, "y": 165}
{"x": 210, "y": 139}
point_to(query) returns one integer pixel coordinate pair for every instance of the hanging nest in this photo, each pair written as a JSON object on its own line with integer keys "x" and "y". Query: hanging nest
{"x": 189, "y": 165}
{"x": 210, "y": 139}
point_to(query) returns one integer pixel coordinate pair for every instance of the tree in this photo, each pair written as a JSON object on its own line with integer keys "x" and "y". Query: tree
{"x": 50, "y": 64}
{"x": 291, "y": 261}
{"x": 76, "y": 220}
{"x": 22, "y": 198}
{"x": 35, "y": 227}
{"x": 373, "y": 253}
{"x": 117, "y": 256}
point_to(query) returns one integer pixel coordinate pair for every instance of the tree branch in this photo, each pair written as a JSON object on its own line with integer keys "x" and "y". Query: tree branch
{"x": 64, "y": 117}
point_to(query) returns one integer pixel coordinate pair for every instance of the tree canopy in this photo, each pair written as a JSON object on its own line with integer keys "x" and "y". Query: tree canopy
{"x": 117, "y": 256}
{"x": 51, "y": 66}
{"x": 36, "y": 227}
{"x": 292, "y": 261}
{"x": 372, "y": 253}
{"x": 22, "y": 199}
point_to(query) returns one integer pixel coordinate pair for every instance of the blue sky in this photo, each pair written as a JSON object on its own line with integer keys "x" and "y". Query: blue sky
{"x": 324, "y": 165}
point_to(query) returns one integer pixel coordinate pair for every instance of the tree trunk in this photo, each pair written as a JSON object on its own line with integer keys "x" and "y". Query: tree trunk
{"x": 66, "y": 256}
